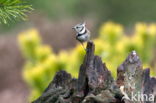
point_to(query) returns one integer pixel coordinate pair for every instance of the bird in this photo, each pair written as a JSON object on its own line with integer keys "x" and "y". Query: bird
{"x": 82, "y": 33}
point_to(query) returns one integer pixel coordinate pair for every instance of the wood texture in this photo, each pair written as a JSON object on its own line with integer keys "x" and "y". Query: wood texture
{"x": 96, "y": 85}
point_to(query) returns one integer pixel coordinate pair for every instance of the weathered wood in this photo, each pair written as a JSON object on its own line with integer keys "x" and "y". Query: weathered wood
{"x": 135, "y": 80}
{"x": 96, "y": 85}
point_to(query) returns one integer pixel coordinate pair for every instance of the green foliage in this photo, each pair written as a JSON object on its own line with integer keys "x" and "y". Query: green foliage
{"x": 112, "y": 45}
{"x": 56, "y": 8}
{"x": 123, "y": 11}
{"x": 11, "y": 10}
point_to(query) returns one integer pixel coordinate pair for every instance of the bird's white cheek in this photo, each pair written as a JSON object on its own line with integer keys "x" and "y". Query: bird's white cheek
{"x": 83, "y": 31}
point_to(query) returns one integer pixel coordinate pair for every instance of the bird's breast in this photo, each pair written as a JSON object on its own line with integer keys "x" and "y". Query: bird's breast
{"x": 83, "y": 37}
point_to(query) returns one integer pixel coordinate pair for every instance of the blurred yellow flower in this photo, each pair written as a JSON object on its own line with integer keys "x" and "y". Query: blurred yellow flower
{"x": 63, "y": 58}
{"x": 34, "y": 94}
{"x": 75, "y": 60}
{"x": 30, "y": 75}
{"x": 140, "y": 28}
{"x": 152, "y": 29}
{"x": 51, "y": 62}
{"x": 28, "y": 41}
{"x": 29, "y": 36}
{"x": 42, "y": 52}
{"x": 110, "y": 31}
{"x": 36, "y": 71}
{"x": 137, "y": 40}
{"x": 102, "y": 48}
{"x": 120, "y": 46}
{"x": 111, "y": 27}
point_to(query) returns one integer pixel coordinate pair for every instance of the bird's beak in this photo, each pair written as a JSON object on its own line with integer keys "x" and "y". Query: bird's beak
{"x": 73, "y": 27}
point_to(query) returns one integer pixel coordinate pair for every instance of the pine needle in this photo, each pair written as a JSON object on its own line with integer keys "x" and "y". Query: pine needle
{"x": 11, "y": 10}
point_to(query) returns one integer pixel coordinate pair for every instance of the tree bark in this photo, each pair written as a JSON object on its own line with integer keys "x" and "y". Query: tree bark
{"x": 95, "y": 83}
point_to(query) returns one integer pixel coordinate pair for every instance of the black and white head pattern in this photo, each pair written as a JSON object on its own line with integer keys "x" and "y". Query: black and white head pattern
{"x": 80, "y": 28}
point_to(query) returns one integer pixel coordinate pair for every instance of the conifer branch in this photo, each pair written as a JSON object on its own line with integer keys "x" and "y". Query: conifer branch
{"x": 11, "y": 10}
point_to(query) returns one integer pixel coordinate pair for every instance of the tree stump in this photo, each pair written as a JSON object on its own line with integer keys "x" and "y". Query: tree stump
{"x": 96, "y": 85}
